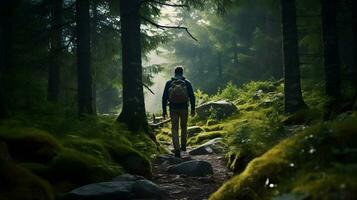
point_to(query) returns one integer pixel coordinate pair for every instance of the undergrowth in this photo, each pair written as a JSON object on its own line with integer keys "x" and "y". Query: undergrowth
{"x": 68, "y": 152}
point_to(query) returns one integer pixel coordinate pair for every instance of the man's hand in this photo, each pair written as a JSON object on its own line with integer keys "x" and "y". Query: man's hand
{"x": 193, "y": 113}
{"x": 164, "y": 114}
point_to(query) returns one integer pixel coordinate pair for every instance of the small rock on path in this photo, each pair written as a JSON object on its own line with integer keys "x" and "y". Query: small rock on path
{"x": 183, "y": 187}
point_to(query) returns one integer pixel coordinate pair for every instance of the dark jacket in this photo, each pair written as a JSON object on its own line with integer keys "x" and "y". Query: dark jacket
{"x": 173, "y": 106}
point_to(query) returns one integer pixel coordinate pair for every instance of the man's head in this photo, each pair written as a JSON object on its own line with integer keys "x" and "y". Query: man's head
{"x": 179, "y": 71}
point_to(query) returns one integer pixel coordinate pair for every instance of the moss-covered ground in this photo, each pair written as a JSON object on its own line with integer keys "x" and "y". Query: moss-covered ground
{"x": 55, "y": 154}
{"x": 278, "y": 156}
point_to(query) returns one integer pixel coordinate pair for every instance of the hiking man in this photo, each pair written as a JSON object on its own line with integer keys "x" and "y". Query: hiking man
{"x": 178, "y": 92}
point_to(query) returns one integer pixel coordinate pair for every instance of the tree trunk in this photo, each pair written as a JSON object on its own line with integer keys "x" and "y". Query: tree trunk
{"x": 292, "y": 90}
{"x": 354, "y": 21}
{"x": 3, "y": 112}
{"x": 6, "y": 10}
{"x": 55, "y": 51}
{"x": 95, "y": 43}
{"x": 84, "y": 72}
{"x": 331, "y": 52}
{"x": 133, "y": 109}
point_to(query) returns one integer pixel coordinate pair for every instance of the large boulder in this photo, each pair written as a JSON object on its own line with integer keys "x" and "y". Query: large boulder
{"x": 216, "y": 109}
{"x": 128, "y": 187}
{"x": 194, "y": 130}
{"x": 213, "y": 146}
{"x": 192, "y": 168}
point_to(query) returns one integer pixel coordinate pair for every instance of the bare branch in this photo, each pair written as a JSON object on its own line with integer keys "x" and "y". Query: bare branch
{"x": 165, "y": 4}
{"x": 171, "y": 27}
{"x": 147, "y": 87}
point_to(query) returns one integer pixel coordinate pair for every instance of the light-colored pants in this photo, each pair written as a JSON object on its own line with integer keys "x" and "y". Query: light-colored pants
{"x": 179, "y": 116}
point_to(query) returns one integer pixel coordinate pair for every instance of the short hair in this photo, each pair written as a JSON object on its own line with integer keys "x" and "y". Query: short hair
{"x": 179, "y": 70}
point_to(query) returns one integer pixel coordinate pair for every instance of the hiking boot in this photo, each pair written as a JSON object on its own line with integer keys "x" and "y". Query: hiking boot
{"x": 178, "y": 153}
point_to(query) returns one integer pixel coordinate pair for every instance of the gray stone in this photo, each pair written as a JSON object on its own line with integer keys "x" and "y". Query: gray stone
{"x": 194, "y": 130}
{"x": 217, "y": 109}
{"x": 192, "y": 168}
{"x": 114, "y": 190}
{"x": 128, "y": 177}
{"x": 167, "y": 158}
{"x": 213, "y": 146}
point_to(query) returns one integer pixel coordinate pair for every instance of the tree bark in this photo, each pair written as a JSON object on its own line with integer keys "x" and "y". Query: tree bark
{"x": 331, "y": 52}
{"x": 354, "y": 21}
{"x": 95, "y": 43}
{"x": 133, "y": 109}
{"x": 84, "y": 71}
{"x": 3, "y": 112}
{"x": 6, "y": 10}
{"x": 55, "y": 51}
{"x": 292, "y": 90}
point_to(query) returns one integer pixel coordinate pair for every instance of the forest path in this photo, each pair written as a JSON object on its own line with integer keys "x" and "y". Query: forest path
{"x": 183, "y": 187}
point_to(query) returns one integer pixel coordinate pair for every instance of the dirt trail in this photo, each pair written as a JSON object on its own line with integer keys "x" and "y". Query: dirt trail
{"x": 181, "y": 187}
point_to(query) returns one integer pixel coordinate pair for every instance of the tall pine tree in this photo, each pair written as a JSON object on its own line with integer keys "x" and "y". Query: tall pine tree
{"x": 84, "y": 76}
{"x": 133, "y": 110}
{"x": 292, "y": 90}
{"x": 331, "y": 52}
{"x": 55, "y": 50}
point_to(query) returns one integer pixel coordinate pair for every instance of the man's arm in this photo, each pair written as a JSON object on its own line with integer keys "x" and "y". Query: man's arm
{"x": 192, "y": 97}
{"x": 165, "y": 97}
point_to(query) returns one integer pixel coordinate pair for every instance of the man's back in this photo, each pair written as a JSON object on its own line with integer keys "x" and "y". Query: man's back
{"x": 178, "y": 92}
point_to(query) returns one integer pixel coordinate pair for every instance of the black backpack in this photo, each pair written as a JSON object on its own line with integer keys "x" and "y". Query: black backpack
{"x": 178, "y": 91}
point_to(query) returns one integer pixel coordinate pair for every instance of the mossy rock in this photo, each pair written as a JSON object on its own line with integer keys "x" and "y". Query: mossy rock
{"x": 93, "y": 147}
{"x": 17, "y": 183}
{"x": 133, "y": 161}
{"x": 217, "y": 127}
{"x": 205, "y": 136}
{"x": 211, "y": 122}
{"x": 238, "y": 161}
{"x": 30, "y": 145}
{"x": 76, "y": 168}
{"x": 311, "y": 161}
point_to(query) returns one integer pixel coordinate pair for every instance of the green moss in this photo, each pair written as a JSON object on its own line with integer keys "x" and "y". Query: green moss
{"x": 329, "y": 184}
{"x": 18, "y": 183}
{"x": 217, "y": 127}
{"x": 161, "y": 137}
{"x": 92, "y": 147}
{"x": 69, "y": 152}
{"x": 29, "y": 144}
{"x": 302, "y": 163}
{"x": 211, "y": 122}
{"x": 203, "y": 137}
{"x": 133, "y": 161}
{"x": 78, "y": 169}
{"x": 305, "y": 116}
